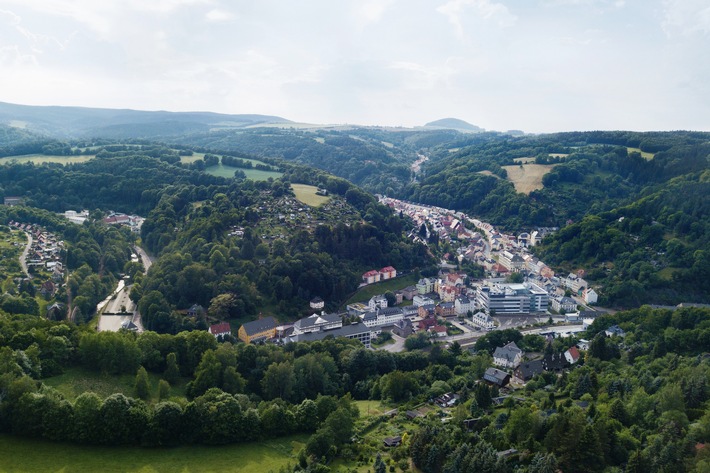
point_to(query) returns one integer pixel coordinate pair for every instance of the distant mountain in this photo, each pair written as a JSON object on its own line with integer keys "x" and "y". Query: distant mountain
{"x": 454, "y": 124}
{"x": 76, "y": 122}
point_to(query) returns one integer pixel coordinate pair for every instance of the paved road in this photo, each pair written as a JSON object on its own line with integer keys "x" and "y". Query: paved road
{"x": 23, "y": 256}
{"x": 147, "y": 260}
{"x": 395, "y": 347}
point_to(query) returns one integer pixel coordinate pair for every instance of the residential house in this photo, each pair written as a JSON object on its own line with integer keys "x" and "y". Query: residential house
{"x": 220, "y": 330}
{"x": 574, "y": 283}
{"x": 317, "y": 303}
{"x": 615, "y": 330}
{"x": 48, "y": 289}
{"x": 425, "y": 286}
{"x": 256, "y": 330}
{"x": 527, "y": 371}
{"x": 56, "y": 311}
{"x": 371, "y": 276}
{"x": 445, "y": 309}
{"x": 195, "y": 311}
{"x": 387, "y": 273}
{"x": 447, "y": 400}
{"x": 496, "y": 377}
{"x": 391, "y": 442}
{"x": 438, "y": 330}
{"x": 409, "y": 292}
{"x": 403, "y": 328}
{"x": 572, "y": 355}
{"x": 483, "y": 321}
{"x": 590, "y": 296}
{"x": 427, "y": 322}
{"x": 462, "y": 305}
{"x": 420, "y": 300}
{"x": 554, "y": 362}
{"x": 508, "y": 356}
{"x": 427, "y": 310}
{"x": 512, "y": 262}
{"x": 583, "y": 344}
{"x": 563, "y": 304}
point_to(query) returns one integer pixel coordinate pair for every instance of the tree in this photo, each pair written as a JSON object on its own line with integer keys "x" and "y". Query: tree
{"x": 163, "y": 390}
{"x": 172, "y": 371}
{"x": 341, "y": 424}
{"x": 141, "y": 387}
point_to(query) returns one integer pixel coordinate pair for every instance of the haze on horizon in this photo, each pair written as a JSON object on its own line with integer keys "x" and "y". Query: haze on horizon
{"x": 539, "y": 66}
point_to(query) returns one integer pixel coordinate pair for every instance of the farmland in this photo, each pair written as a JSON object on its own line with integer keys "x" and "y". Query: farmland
{"x": 528, "y": 177}
{"x": 45, "y": 158}
{"x": 255, "y": 174}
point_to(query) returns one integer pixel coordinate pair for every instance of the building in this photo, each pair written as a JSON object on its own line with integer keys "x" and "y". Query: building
{"x": 483, "y": 321}
{"x": 420, "y": 300}
{"x": 590, "y": 296}
{"x": 195, "y": 311}
{"x": 403, "y": 328}
{"x": 316, "y": 323}
{"x": 387, "y": 273}
{"x": 371, "y": 277}
{"x": 382, "y": 317}
{"x": 572, "y": 355}
{"x": 512, "y": 262}
{"x": 527, "y": 371}
{"x": 563, "y": 304}
{"x": 445, "y": 309}
{"x": 427, "y": 310}
{"x": 437, "y": 330}
{"x": 220, "y": 330}
{"x": 256, "y": 330}
{"x": 377, "y": 302}
{"x": 554, "y": 362}
{"x": 425, "y": 286}
{"x": 615, "y": 330}
{"x": 574, "y": 283}
{"x": 354, "y": 331}
{"x": 317, "y": 303}
{"x": 508, "y": 356}
{"x": 12, "y": 201}
{"x": 409, "y": 292}
{"x": 462, "y": 305}
{"x": 496, "y": 377}
{"x": 513, "y": 299}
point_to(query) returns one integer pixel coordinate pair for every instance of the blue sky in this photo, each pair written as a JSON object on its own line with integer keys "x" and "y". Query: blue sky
{"x": 535, "y": 65}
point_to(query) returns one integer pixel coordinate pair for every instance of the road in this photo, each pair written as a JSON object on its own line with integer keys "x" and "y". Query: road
{"x": 147, "y": 260}
{"x": 395, "y": 347}
{"x": 23, "y": 256}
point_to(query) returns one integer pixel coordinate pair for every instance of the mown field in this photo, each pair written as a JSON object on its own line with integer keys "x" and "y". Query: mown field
{"x": 307, "y": 195}
{"x": 255, "y": 174}
{"x": 75, "y": 381}
{"x": 528, "y": 177}
{"x": 364, "y": 294}
{"x": 644, "y": 154}
{"x": 45, "y": 158}
{"x": 28, "y": 456}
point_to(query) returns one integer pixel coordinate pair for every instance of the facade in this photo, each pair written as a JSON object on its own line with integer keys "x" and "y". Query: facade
{"x": 496, "y": 377}
{"x": 377, "y": 302}
{"x": 354, "y": 331}
{"x": 425, "y": 286}
{"x": 512, "y": 262}
{"x": 483, "y": 320}
{"x": 572, "y": 355}
{"x": 566, "y": 304}
{"x": 420, "y": 300}
{"x": 382, "y": 317}
{"x": 527, "y": 371}
{"x": 513, "y": 298}
{"x": 371, "y": 277}
{"x": 261, "y": 329}
{"x": 445, "y": 309}
{"x": 574, "y": 283}
{"x": 317, "y": 303}
{"x": 590, "y": 296}
{"x": 316, "y": 323}
{"x": 508, "y": 356}
{"x": 387, "y": 273}
{"x": 462, "y": 305}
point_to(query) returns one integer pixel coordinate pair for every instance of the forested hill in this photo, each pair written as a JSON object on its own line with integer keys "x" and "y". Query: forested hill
{"x": 64, "y": 122}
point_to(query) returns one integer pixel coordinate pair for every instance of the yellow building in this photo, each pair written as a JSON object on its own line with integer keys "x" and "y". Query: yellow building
{"x": 261, "y": 329}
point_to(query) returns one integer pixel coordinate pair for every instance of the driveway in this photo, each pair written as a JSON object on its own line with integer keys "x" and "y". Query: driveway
{"x": 395, "y": 347}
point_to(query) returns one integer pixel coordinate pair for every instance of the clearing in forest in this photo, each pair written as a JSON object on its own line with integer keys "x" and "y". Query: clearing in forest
{"x": 528, "y": 177}
{"x": 46, "y": 158}
{"x": 307, "y": 195}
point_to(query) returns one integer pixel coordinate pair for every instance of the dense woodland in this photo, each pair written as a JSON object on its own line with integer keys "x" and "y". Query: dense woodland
{"x": 633, "y": 404}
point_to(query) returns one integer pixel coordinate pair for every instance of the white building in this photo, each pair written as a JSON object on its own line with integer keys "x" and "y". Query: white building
{"x": 590, "y": 296}
{"x": 377, "y": 302}
{"x": 513, "y": 298}
{"x": 462, "y": 305}
{"x": 483, "y": 320}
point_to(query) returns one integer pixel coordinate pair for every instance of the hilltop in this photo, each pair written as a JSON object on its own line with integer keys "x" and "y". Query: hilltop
{"x": 454, "y": 124}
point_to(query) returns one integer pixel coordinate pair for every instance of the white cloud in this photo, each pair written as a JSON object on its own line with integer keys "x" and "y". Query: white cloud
{"x": 686, "y": 17}
{"x": 217, "y": 15}
{"x": 457, "y": 11}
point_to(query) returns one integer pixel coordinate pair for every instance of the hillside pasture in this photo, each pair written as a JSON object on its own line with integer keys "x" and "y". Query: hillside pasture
{"x": 488, "y": 173}
{"x": 20, "y": 455}
{"x": 46, "y": 158}
{"x": 644, "y": 154}
{"x": 528, "y": 177}
{"x": 307, "y": 195}
{"x": 254, "y": 174}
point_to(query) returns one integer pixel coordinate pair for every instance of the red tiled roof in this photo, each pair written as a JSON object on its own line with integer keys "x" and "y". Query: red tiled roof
{"x": 574, "y": 352}
{"x": 388, "y": 269}
{"x": 218, "y": 329}
{"x": 370, "y": 273}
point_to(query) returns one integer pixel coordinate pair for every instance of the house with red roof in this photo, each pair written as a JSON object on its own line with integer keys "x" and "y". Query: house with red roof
{"x": 371, "y": 276}
{"x": 220, "y": 330}
{"x": 572, "y": 355}
{"x": 439, "y": 330}
{"x": 387, "y": 273}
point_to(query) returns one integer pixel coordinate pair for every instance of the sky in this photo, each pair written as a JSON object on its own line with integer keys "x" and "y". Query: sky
{"x": 532, "y": 65}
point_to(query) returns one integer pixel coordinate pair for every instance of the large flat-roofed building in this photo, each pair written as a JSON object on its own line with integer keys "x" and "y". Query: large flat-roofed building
{"x": 513, "y": 298}
{"x": 354, "y": 331}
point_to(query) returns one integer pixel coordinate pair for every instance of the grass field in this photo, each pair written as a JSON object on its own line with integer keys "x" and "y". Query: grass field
{"x": 365, "y": 293}
{"x": 75, "y": 381}
{"x": 528, "y": 177}
{"x": 28, "y": 456}
{"x": 254, "y": 174}
{"x": 645, "y": 155}
{"x": 488, "y": 173}
{"x": 45, "y": 158}
{"x": 307, "y": 195}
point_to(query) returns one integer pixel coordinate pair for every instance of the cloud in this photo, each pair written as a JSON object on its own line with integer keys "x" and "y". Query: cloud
{"x": 216, "y": 15}
{"x": 686, "y": 17}
{"x": 457, "y": 12}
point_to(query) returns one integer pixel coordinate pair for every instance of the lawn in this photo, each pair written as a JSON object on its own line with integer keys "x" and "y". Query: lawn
{"x": 254, "y": 174}
{"x": 45, "y": 158}
{"x": 75, "y": 381}
{"x": 371, "y": 408}
{"x": 364, "y": 294}
{"x": 528, "y": 177}
{"x": 21, "y": 455}
{"x": 307, "y": 195}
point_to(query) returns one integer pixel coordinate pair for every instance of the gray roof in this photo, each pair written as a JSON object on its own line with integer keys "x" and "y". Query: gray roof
{"x": 495, "y": 376}
{"x": 344, "y": 331}
{"x": 316, "y": 319}
{"x": 371, "y": 315}
{"x": 390, "y": 311}
{"x": 528, "y": 370}
{"x": 260, "y": 325}
{"x": 508, "y": 352}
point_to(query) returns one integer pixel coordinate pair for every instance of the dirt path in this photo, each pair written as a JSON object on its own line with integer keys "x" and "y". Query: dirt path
{"x": 23, "y": 256}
